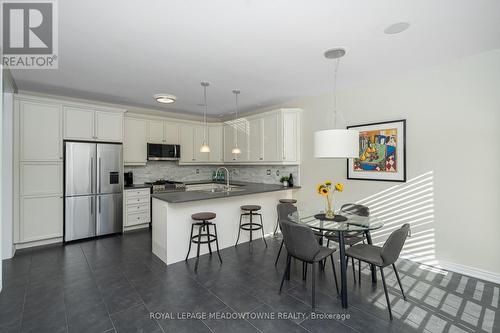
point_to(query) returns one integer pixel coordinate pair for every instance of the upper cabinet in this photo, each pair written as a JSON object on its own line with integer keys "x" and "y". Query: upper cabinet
{"x": 89, "y": 124}
{"x": 267, "y": 138}
{"x": 191, "y": 139}
{"x": 216, "y": 141}
{"x": 40, "y": 134}
{"x": 135, "y": 141}
{"x": 161, "y": 131}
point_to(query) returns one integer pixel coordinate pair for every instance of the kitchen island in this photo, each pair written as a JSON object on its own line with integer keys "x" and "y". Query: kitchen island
{"x": 171, "y": 218}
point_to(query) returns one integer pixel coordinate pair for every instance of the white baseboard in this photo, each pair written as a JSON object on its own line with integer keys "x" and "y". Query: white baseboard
{"x": 470, "y": 271}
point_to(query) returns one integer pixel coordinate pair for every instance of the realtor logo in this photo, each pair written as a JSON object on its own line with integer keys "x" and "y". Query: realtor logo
{"x": 29, "y": 34}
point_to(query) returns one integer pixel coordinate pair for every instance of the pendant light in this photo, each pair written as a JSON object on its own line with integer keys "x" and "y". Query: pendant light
{"x": 205, "y": 148}
{"x": 236, "y": 150}
{"x": 336, "y": 143}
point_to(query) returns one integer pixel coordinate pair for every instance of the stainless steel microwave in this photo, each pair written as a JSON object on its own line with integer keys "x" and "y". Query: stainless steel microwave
{"x": 163, "y": 152}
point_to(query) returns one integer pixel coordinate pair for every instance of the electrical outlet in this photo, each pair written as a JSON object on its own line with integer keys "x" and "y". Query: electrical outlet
{"x": 268, "y": 172}
{"x": 277, "y": 172}
{"x": 197, "y": 171}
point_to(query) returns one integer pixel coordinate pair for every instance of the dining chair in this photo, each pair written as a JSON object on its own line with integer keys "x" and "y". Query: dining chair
{"x": 383, "y": 256}
{"x": 301, "y": 243}
{"x": 284, "y": 210}
{"x": 350, "y": 238}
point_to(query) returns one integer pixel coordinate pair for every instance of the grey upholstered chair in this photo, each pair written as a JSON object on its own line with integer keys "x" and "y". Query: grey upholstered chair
{"x": 302, "y": 244}
{"x": 383, "y": 256}
{"x": 284, "y": 210}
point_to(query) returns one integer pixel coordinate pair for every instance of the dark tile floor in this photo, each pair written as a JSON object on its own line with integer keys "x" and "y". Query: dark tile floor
{"x": 114, "y": 285}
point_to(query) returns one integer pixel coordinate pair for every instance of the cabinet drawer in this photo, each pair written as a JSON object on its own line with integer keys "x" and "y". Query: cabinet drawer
{"x": 137, "y": 208}
{"x": 137, "y": 192}
{"x": 138, "y": 218}
{"x": 137, "y": 200}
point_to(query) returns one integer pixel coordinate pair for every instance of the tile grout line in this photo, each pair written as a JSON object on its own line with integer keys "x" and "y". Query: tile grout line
{"x": 26, "y": 290}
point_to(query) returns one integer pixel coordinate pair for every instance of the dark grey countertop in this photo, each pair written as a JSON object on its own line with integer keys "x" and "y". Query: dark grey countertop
{"x": 136, "y": 186}
{"x": 249, "y": 188}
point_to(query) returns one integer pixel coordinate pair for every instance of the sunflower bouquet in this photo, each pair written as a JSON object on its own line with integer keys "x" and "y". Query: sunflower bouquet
{"x": 327, "y": 189}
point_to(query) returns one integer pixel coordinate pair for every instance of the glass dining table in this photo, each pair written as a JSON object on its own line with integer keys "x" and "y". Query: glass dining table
{"x": 343, "y": 223}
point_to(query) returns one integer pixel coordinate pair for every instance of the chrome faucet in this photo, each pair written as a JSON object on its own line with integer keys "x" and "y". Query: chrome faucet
{"x": 227, "y": 176}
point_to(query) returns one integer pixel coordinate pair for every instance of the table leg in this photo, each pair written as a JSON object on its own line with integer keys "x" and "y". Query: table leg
{"x": 321, "y": 264}
{"x": 372, "y": 267}
{"x": 343, "y": 276}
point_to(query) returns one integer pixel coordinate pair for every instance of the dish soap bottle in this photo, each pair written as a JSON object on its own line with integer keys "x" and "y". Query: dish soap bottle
{"x": 290, "y": 181}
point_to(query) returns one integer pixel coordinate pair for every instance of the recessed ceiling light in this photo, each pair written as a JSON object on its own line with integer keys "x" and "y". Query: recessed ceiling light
{"x": 396, "y": 28}
{"x": 165, "y": 98}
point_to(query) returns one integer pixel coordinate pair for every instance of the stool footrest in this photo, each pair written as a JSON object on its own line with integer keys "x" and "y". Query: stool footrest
{"x": 197, "y": 238}
{"x": 251, "y": 226}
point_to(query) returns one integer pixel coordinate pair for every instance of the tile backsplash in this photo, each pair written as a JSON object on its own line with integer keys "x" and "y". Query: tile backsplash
{"x": 269, "y": 174}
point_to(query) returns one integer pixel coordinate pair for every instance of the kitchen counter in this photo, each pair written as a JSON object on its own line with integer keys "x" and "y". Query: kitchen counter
{"x": 248, "y": 188}
{"x": 137, "y": 186}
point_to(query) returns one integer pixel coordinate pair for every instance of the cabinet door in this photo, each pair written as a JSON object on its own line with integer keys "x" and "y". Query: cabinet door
{"x": 255, "y": 140}
{"x": 109, "y": 126}
{"x": 186, "y": 138}
{"x": 40, "y": 178}
{"x": 216, "y": 144}
{"x": 155, "y": 130}
{"x": 41, "y": 218}
{"x": 135, "y": 141}
{"x": 242, "y": 132}
{"x": 270, "y": 144}
{"x": 290, "y": 136}
{"x": 200, "y": 134}
{"x": 171, "y": 133}
{"x": 79, "y": 123}
{"x": 228, "y": 142}
{"x": 40, "y": 132}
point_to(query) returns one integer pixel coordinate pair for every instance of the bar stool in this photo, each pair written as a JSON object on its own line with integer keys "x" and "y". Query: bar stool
{"x": 252, "y": 210}
{"x": 204, "y": 226}
{"x": 285, "y": 201}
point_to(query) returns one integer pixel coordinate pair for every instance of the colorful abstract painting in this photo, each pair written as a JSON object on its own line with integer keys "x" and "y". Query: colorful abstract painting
{"x": 381, "y": 152}
{"x": 377, "y": 151}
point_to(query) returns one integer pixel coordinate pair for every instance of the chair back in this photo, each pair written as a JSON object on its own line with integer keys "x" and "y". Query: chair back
{"x": 284, "y": 210}
{"x": 356, "y": 209}
{"x": 394, "y": 244}
{"x": 300, "y": 241}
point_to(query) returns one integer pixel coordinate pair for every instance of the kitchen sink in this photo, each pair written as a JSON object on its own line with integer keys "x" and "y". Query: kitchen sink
{"x": 214, "y": 188}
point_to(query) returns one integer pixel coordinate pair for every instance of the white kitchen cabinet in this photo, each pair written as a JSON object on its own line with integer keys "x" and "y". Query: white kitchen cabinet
{"x": 241, "y": 126}
{"x": 256, "y": 140}
{"x": 187, "y": 142}
{"x": 164, "y": 132}
{"x": 109, "y": 126}
{"x": 135, "y": 141}
{"x": 200, "y": 134}
{"x": 82, "y": 123}
{"x": 79, "y": 123}
{"x": 40, "y": 131}
{"x": 137, "y": 207}
{"x": 155, "y": 130}
{"x": 41, "y": 218}
{"x": 171, "y": 132}
{"x": 291, "y": 136}
{"x": 41, "y": 178}
{"x": 271, "y": 132}
{"x": 216, "y": 140}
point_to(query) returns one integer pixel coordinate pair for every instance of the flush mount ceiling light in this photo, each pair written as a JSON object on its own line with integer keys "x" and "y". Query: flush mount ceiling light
{"x": 205, "y": 148}
{"x": 165, "y": 98}
{"x": 396, "y": 28}
{"x": 236, "y": 150}
{"x": 336, "y": 143}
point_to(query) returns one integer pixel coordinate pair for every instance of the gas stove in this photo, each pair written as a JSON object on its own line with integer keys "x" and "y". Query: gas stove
{"x": 163, "y": 185}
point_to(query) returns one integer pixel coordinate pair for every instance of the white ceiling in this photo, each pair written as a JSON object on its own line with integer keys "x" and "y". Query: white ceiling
{"x": 125, "y": 51}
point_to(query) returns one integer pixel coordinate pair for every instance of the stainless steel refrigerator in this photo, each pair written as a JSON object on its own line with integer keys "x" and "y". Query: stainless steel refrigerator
{"x": 93, "y": 193}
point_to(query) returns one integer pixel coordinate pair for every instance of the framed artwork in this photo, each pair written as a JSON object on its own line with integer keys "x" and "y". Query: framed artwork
{"x": 382, "y": 152}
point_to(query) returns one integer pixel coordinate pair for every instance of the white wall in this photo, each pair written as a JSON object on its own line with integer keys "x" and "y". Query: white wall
{"x": 453, "y": 126}
{"x": 7, "y": 165}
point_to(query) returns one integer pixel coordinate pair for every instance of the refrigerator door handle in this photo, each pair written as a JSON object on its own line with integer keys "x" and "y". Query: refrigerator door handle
{"x": 92, "y": 206}
{"x": 99, "y": 205}
{"x": 91, "y": 175}
{"x": 99, "y": 174}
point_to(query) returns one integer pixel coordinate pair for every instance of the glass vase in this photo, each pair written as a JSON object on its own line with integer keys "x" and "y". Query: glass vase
{"x": 329, "y": 213}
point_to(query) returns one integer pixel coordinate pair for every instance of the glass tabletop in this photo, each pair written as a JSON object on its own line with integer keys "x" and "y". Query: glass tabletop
{"x": 352, "y": 221}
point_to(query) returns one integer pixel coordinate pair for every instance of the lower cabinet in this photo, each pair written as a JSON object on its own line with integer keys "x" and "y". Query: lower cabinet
{"x": 137, "y": 207}
{"x": 41, "y": 218}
